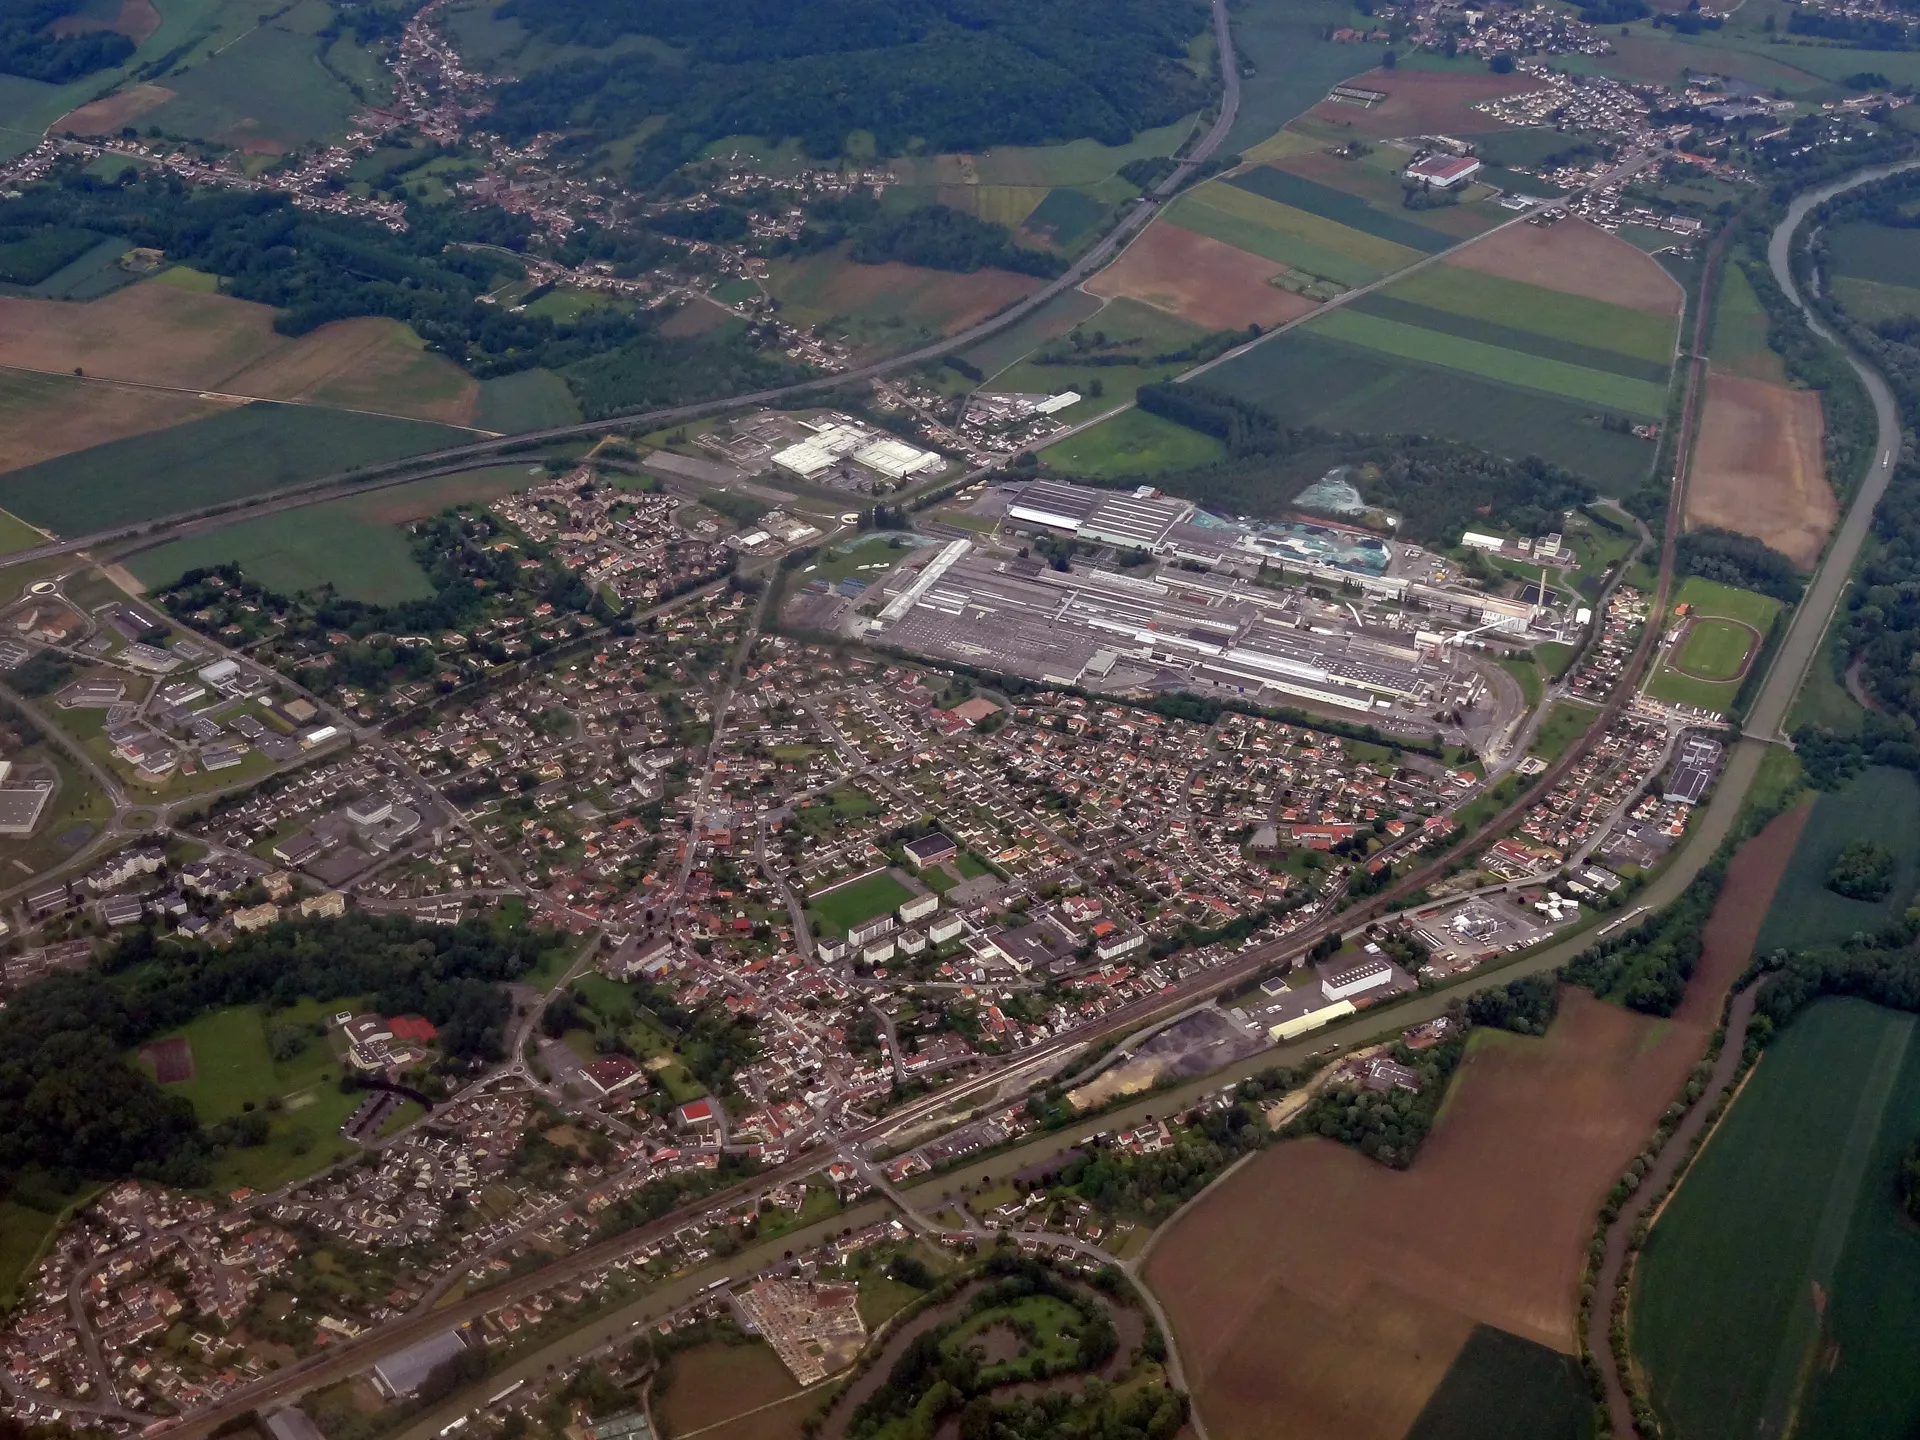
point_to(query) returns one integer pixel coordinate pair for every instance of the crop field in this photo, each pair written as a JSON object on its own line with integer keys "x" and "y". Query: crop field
{"x": 1306, "y": 379}
{"x": 842, "y": 908}
{"x": 1781, "y": 1287}
{"x": 232, "y": 1068}
{"x": 1062, "y": 217}
{"x": 1422, "y": 102}
{"x": 1595, "y": 326}
{"x": 1739, "y": 344}
{"x": 1376, "y": 181}
{"x": 1501, "y": 1387}
{"x": 1134, "y": 443}
{"x": 527, "y": 400}
{"x": 1880, "y": 803}
{"x": 1078, "y": 162}
{"x": 891, "y": 301}
{"x": 716, "y": 1382}
{"x": 1055, "y": 318}
{"x": 163, "y": 333}
{"x": 43, "y": 416}
{"x": 1575, "y": 258}
{"x": 1394, "y": 337}
{"x": 1199, "y": 279}
{"x": 266, "y": 93}
{"x": 1760, "y": 467}
{"x": 1292, "y": 64}
{"x": 1293, "y": 237}
{"x": 241, "y": 451}
{"x": 1881, "y": 253}
{"x": 1300, "y": 193}
{"x": 1320, "y": 1292}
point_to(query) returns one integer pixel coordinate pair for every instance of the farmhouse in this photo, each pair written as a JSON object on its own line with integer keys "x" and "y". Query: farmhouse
{"x": 1443, "y": 172}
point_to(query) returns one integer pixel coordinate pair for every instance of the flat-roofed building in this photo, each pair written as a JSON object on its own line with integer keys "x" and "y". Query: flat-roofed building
{"x": 399, "y": 1375}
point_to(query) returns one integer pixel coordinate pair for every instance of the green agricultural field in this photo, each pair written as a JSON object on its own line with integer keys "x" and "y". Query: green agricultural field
{"x": 1492, "y": 362}
{"x": 1290, "y": 63}
{"x": 1516, "y": 305}
{"x": 1715, "y": 650}
{"x": 840, "y": 909}
{"x": 1707, "y": 598}
{"x": 1120, "y": 325}
{"x": 1866, "y": 251}
{"x": 526, "y": 400}
{"x": 1881, "y": 803}
{"x": 1055, "y": 318}
{"x": 1134, "y": 443}
{"x": 267, "y": 90}
{"x": 1339, "y": 207}
{"x": 1872, "y": 300}
{"x": 1781, "y": 1280}
{"x": 1501, "y": 1387}
{"x": 244, "y": 451}
{"x": 1063, "y": 216}
{"x": 1739, "y": 343}
{"x": 233, "y": 1069}
{"x": 1289, "y": 235}
{"x": 15, "y": 533}
{"x": 1564, "y": 724}
{"x": 1305, "y": 379}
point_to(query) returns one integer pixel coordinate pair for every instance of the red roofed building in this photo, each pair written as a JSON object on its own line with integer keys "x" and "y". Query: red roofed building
{"x": 415, "y": 1028}
{"x": 695, "y": 1113}
{"x": 614, "y": 1072}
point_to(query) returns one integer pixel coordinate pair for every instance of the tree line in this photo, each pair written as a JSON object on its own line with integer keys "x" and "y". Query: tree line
{"x": 29, "y": 49}
{"x": 932, "y": 75}
{"x": 1738, "y": 560}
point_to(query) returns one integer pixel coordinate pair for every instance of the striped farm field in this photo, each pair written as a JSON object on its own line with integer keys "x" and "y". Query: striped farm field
{"x": 1493, "y": 362}
{"x": 1293, "y": 237}
{"x": 1596, "y": 323}
{"x": 1548, "y": 346}
{"x": 1337, "y": 205}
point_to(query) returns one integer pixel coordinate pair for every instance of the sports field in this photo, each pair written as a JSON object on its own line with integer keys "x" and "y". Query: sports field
{"x": 355, "y": 544}
{"x": 839, "y": 909}
{"x": 1780, "y": 1282}
{"x": 1134, "y": 443}
{"x": 234, "y": 1071}
{"x": 1705, "y": 597}
{"x": 1716, "y": 650}
{"x": 242, "y": 451}
{"x": 1880, "y": 803}
{"x": 1683, "y": 684}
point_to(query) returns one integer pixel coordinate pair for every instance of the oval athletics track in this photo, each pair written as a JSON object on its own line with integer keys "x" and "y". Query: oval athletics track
{"x": 1706, "y": 647}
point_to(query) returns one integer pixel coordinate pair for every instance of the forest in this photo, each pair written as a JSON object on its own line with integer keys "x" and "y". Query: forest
{"x": 315, "y": 268}
{"x": 1738, "y": 560}
{"x": 938, "y": 75}
{"x": 28, "y": 50}
{"x": 72, "y": 1105}
{"x": 1385, "y": 1125}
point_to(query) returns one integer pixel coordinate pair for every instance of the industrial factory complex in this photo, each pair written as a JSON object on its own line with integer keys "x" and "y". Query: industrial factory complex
{"x": 1277, "y": 613}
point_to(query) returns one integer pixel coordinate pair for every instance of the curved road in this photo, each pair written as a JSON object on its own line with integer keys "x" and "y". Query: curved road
{"x": 1110, "y": 245}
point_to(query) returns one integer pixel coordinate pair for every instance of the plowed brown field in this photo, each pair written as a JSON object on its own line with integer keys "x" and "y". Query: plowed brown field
{"x": 1423, "y": 102}
{"x": 1760, "y": 468}
{"x": 1198, "y": 278}
{"x": 108, "y": 116}
{"x": 159, "y": 334}
{"x": 1576, "y": 258}
{"x": 42, "y": 416}
{"x": 1317, "y": 1295}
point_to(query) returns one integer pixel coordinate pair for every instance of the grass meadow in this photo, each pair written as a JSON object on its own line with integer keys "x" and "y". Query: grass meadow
{"x": 1780, "y": 1281}
{"x": 1881, "y": 253}
{"x": 1881, "y": 803}
{"x": 1739, "y": 342}
{"x": 1564, "y": 724}
{"x": 1340, "y": 207}
{"x": 1715, "y": 649}
{"x": 1134, "y": 443}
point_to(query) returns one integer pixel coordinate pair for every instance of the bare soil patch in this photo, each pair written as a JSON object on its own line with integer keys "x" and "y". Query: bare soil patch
{"x": 172, "y": 1060}
{"x": 939, "y": 300}
{"x": 109, "y": 115}
{"x": 1319, "y": 1296}
{"x": 45, "y": 416}
{"x": 1576, "y": 258}
{"x": 717, "y": 1382}
{"x": 1760, "y": 467}
{"x": 1201, "y": 280}
{"x": 1423, "y": 102}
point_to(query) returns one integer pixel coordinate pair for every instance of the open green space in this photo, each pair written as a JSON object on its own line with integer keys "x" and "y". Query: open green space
{"x": 15, "y": 533}
{"x": 1564, "y": 724}
{"x": 1056, "y": 317}
{"x": 1065, "y": 215}
{"x": 1823, "y": 699}
{"x": 1289, "y": 235}
{"x": 357, "y": 544}
{"x": 1134, "y": 443}
{"x": 24, "y": 1236}
{"x": 1288, "y": 62}
{"x": 1516, "y": 305}
{"x": 840, "y": 909}
{"x": 618, "y": 1007}
{"x": 266, "y": 91}
{"x": 1555, "y": 657}
{"x": 1715, "y": 650}
{"x": 1047, "y": 1331}
{"x": 1501, "y": 1387}
{"x": 235, "y": 1073}
{"x": 1872, "y": 300}
{"x": 1867, "y": 251}
{"x": 1706, "y": 597}
{"x": 1670, "y": 685}
{"x": 1492, "y": 362}
{"x": 1306, "y": 379}
{"x": 244, "y": 451}
{"x": 1780, "y": 1290}
{"x": 866, "y": 559}
{"x": 1880, "y": 804}
{"x": 1739, "y": 340}
{"x": 1528, "y": 674}
{"x": 526, "y": 400}
{"x": 1531, "y": 341}
{"x": 1340, "y": 207}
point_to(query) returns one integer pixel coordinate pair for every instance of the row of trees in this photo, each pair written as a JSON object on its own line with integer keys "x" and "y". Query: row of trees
{"x": 29, "y": 49}
{"x": 1739, "y": 560}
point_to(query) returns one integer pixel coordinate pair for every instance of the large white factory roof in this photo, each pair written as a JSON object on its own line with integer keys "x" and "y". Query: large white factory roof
{"x": 895, "y": 458}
